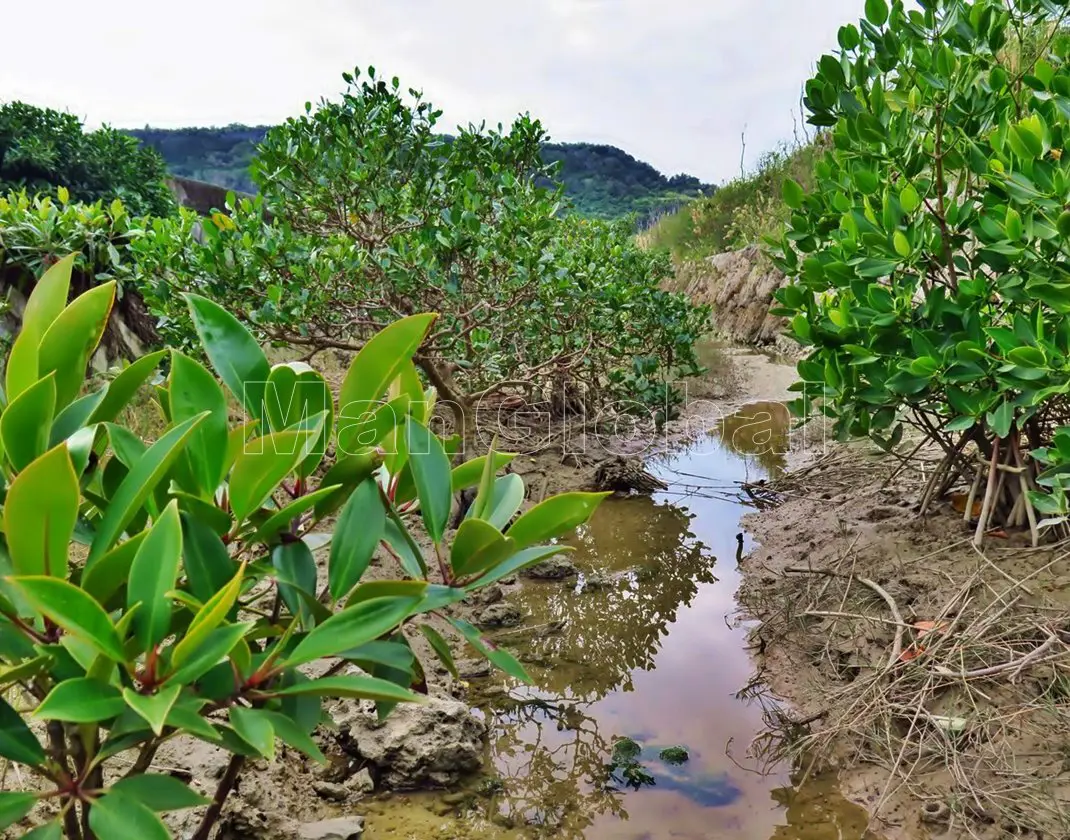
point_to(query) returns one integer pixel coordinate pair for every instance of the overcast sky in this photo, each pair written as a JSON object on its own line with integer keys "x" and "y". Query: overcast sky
{"x": 673, "y": 82}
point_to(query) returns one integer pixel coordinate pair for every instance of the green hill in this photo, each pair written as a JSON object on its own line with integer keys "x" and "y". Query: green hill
{"x": 602, "y": 181}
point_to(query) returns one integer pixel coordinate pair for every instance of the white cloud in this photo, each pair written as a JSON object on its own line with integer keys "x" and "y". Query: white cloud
{"x": 672, "y": 81}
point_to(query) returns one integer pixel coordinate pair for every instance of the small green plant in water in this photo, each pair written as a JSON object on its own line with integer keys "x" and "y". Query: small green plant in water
{"x": 193, "y": 605}
{"x": 674, "y": 755}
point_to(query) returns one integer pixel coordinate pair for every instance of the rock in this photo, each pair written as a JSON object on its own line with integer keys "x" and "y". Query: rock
{"x": 491, "y": 595}
{"x": 341, "y": 828}
{"x": 557, "y": 567}
{"x": 501, "y": 614}
{"x": 361, "y": 782}
{"x": 473, "y": 669}
{"x": 435, "y": 744}
{"x": 623, "y": 475}
{"x": 331, "y": 790}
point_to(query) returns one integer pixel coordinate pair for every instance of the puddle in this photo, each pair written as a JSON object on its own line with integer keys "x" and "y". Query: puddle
{"x": 635, "y": 655}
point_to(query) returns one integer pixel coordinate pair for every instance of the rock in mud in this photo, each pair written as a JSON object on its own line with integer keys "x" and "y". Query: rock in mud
{"x": 502, "y": 614}
{"x": 361, "y": 782}
{"x": 435, "y": 744}
{"x": 331, "y": 790}
{"x": 473, "y": 669}
{"x": 624, "y": 475}
{"x": 558, "y": 567}
{"x": 341, "y": 828}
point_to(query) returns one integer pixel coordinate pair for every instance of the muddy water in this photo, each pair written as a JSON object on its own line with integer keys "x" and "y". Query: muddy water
{"x": 639, "y": 653}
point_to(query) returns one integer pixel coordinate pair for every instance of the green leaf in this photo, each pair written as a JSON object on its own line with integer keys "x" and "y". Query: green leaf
{"x": 124, "y": 386}
{"x": 262, "y": 466}
{"x": 408, "y": 553}
{"x": 296, "y": 392}
{"x": 193, "y": 390}
{"x": 554, "y": 517}
{"x": 352, "y": 685}
{"x": 1013, "y": 224}
{"x": 295, "y": 569}
{"x": 481, "y": 505}
{"x": 290, "y": 733}
{"x": 82, "y": 700}
{"x": 285, "y": 517}
{"x": 208, "y": 618}
{"x": 204, "y": 557}
{"x": 470, "y": 472}
{"x": 909, "y": 199}
{"x": 255, "y": 729}
{"x": 73, "y": 610}
{"x": 233, "y": 352}
{"x": 505, "y": 500}
{"x": 119, "y": 816}
{"x": 431, "y": 472}
{"x": 27, "y": 421}
{"x": 380, "y": 362}
{"x": 352, "y": 627}
{"x": 48, "y": 831}
{"x": 478, "y": 546}
{"x": 358, "y": 531}
{"x": 159, "y": 793}
{"x": 902, "y": 244}
{"x": 14, "y": 805}
{"x": 17, "y": 742}
{"x": 152, "y": 576}
{"x": 40, "y": 513}
{"x": 71, "y": 339}
{"x": 441, "y": 648}
{"x": 1002, "y": 419}
{"x": 502, "y": 659}
{"x": 518, "y": 562}
{"x": 347, "y": 473}
{"x": 49, "y": 296}
{"x": 208, "y": 653}
{"x": 138, "y": 484}
{"x": 793, "y": 194}
{"x": 877, "y": 12}
{"x": 22, "y": 363}
{"x": 154, "y": 709}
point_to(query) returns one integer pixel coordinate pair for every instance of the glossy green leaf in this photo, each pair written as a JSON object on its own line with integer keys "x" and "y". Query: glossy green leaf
{"x": 40, "y": 514}
{"x": 295, "y": 570}
{"x": 192, "y": 391}
{"x": 82, "y": 700}
{"x": 255, "y": 729}
{"x": 136, "y": 487}
{"x": 262, "y": 466}
{"x": 1002, "y": 419}
{"x": 793, "y": 194}
{"x": 152, "y": 576}
{"x": 518, "y": 562}
{"x": 380, "y": 362}
{"x": 233, "y": 352}
{"x": 204, "y": 557}
{"x": 209, "y": 652}
{"x": 27, "y": 421}
{"x": 478, "y": 546}
{"x": 74, "y": 417}
{"x": 296, "y": 392}
{"x": 124, "y": 386}
{"x": 470, "y": 472}
{"x": 119, "y": 816}
{"x": 347, "y": 473}
{"x": 159, "y": 793}
{"x": 22, "y": 363}
{"x": 48, "y": 831}
{"x": 208, "y": 618}
{"x": 14, "y": 805}
{"x": 352, "y": 685}
{"x": 17, "y": 742}
{"x": 554, "y": 517}
{"x": 877, "y": 12}
{"x": 290, "y": 733}
{"x": 352, "y": 627}
{"x": 402, "y": 546}
{"x": 502, "y": 659}
{"x": 432, "y": 474}
{"x": 357, "y": 533}
{"x": 441, "y": 648}
{"x": 505, "y": 500}
{"x": 49, "y": 296}
{"x": 70, "y": 341}
{"x": 154, "y": 709}
{"x": 73, "y": 610}
{"x": 284, "y": 519}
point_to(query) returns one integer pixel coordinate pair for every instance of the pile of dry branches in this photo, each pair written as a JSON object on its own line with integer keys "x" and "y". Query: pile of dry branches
{"x": 967, "y": 708}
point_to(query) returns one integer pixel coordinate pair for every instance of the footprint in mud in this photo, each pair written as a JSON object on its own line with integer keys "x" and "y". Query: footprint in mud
{"x": 636, "y": 767}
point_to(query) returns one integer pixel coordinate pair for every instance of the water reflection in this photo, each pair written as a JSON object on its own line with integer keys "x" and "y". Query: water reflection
{"x": 641, "y": 647}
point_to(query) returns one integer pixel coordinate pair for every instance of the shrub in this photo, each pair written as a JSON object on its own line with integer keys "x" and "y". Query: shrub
{"x": 195, "y": 603}
{"x": 42, "y": 149}
{"x": 931, "y": 258}
{"x": 366, "y": 214}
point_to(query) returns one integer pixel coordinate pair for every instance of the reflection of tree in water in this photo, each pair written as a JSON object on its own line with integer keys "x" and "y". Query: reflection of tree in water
{"x": 552, "y": 758}
{"x": 641, "y": 565}
{"x": 759, "y": 429}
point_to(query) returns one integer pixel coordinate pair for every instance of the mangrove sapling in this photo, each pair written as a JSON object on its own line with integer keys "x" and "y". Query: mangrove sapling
{"x": 930, "y": 264}
{"x": 195, "y": 608}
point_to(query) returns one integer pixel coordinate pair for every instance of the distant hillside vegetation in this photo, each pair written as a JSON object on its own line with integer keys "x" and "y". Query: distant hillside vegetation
{"x": 602, "y": 181}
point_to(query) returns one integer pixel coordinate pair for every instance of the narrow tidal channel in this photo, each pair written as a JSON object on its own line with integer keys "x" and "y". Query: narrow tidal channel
{"x": 640, "y": 652}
